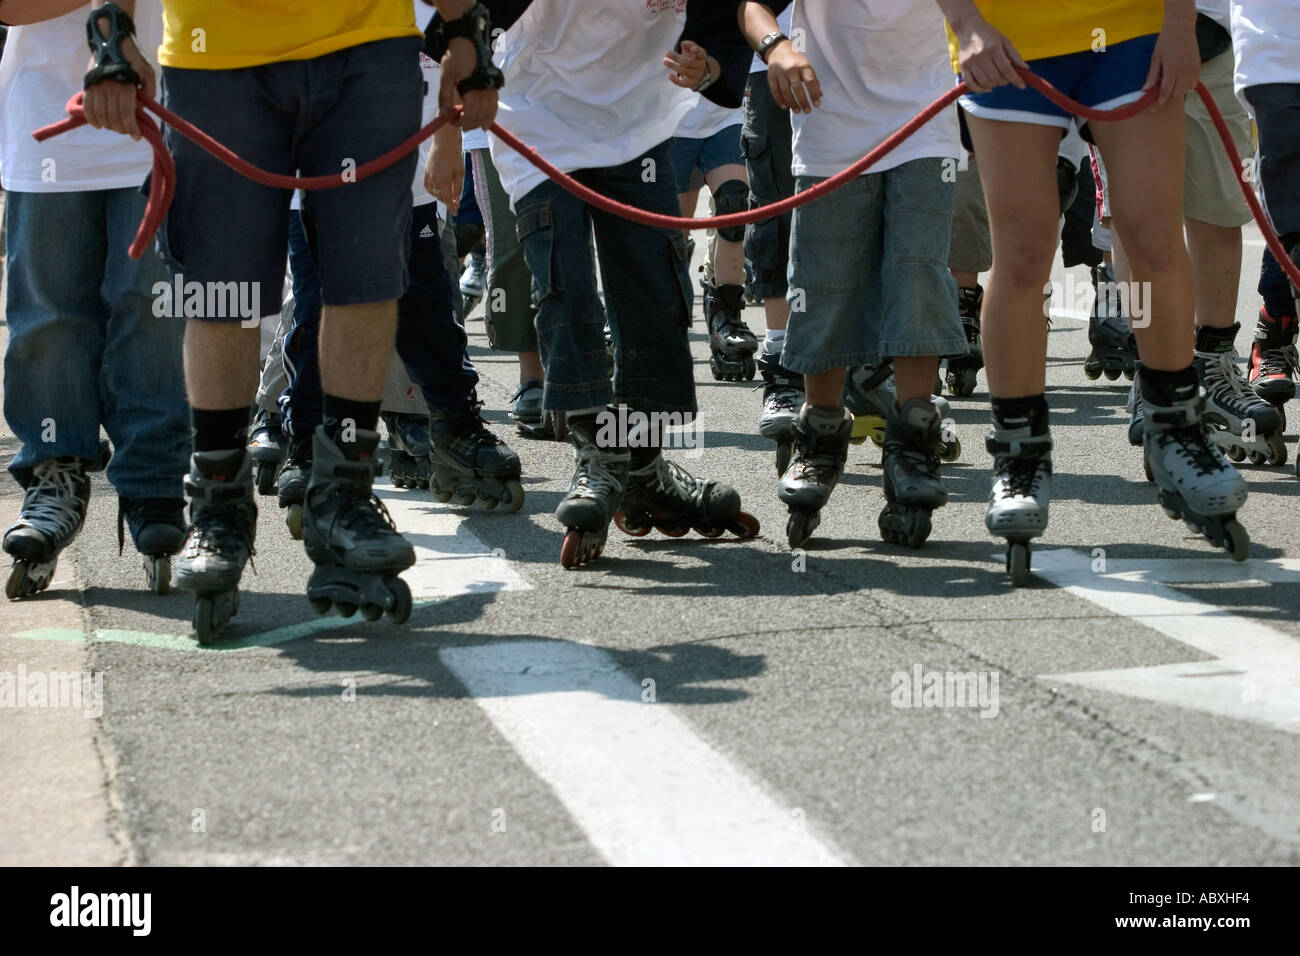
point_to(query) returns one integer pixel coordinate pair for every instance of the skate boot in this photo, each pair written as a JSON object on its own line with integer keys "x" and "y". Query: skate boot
{"x": 471, "y": 466}
{"x": 1271, "y": 369}
{"x": 1136, "y": 418}
{"x": 782, "y": 399}
{"x": 963, "y": 369}
{"x": 1242, "y": 423}
{"x": 349, "y": 535}
{"x": 266, "y": 445}
{"x": 870, "y": 392}
{"x": 665, "y": 496}
{"x": 821, "y": 446}
{"x": 1194, "y": 480}
{"x": 595, "y": 492}
{"x": 1109, "y": 335}
{"x": 223, "y": 527}
{"x": 1022, "y": 487}
{"x": 473, "y": 280}
{"x": 730, "y": 340}
{"x": 291, "y": 487}
{"x": 408, "y": 450}
{"x": 158, "y": 531}
{"x": 527, "y": 413}
{"x": 913, "y": 488}
{"x": 54, "y": 509}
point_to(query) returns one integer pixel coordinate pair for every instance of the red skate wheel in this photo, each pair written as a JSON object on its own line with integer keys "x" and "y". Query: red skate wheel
{"x": 711, "y": 532}
{"x": 673, "y": 530}
{"x": 624, "y": 525}
{"x": 569, "y": 556}
{"x": 744, "y": 525}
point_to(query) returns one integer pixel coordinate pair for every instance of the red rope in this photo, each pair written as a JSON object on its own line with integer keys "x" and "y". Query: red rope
{"x": 163, "y": 183}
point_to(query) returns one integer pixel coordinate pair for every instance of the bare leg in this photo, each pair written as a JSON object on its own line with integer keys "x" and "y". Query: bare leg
{"x": 220, "y": 364}
{"x": 356, "y": 345}
{"x": 1216, "y": 262}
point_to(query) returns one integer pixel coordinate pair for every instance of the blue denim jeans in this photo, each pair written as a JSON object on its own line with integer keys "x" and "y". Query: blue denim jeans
{"x": 647, "y": 287}
{"x": 85, "y": 347}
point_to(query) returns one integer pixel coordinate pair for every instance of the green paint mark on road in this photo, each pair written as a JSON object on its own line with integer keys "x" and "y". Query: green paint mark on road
{"x": 186, "y": 642}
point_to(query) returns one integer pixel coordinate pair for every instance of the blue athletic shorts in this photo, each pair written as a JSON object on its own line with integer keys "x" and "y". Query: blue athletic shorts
{"x": 706, "y": 154}
{"x": 1103, "y": 79}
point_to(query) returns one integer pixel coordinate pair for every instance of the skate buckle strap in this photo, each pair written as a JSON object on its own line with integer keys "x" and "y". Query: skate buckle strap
{"x": 1022, "y": 446}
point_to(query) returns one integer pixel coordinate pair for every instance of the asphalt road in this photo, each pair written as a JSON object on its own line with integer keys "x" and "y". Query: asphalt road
{"x": 687, "y": 700}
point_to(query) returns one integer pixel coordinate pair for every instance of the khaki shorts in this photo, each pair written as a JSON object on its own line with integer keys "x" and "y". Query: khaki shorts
{"x": 971, "y": 247}
{"x": 1212, "y": 189}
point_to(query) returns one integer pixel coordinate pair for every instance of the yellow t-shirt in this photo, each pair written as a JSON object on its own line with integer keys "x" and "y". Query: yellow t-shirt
{"x": 231, "y": 34}
{"x": 1043, "y": 28}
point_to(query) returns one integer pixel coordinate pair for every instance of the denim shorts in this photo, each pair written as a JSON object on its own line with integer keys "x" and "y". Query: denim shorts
{"x": 869, "y": 272}
{"x": 316, "y": 117}
{"x": 705, "y": 154}
{"x": 1103, "y": 80}
{"x": 765, "y": 141}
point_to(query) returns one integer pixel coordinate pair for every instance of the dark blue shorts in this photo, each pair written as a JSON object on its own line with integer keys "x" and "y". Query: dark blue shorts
{"x": 313, "y": 117}
{"x": 1103, "y": 80}
{"x": 705, "y": 154}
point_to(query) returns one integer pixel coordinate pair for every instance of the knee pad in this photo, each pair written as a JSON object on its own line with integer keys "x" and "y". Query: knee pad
{"x": 731, "y": 196}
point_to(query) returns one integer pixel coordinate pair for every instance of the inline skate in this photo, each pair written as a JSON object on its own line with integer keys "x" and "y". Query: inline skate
{"x": 732, "y": 343}
{"x": 665, "y": 496}
{"x": 219, "y": 542}
{"x": 1022, "y": 486}
{"x": 157, "y": 528}
{"x": 1242, "y": 423}
{"x": 408, "y": 449}
{"x": 54, "y": 509}
{"x": 266, "y": 445}
{"x": 782, "y": 398}
{"x": 963, "y": 370}
{"x": 913, "y": 488}
{"x": 871, "y": 391}
{"x": 291, "y": 487}
{"x": 596, "y": 492}
{"x": 350, "y": 536}
{"x": 527, "y": 413}
{"x": 471, "y": 466}
{"x": 821, "y": 446}
{"x": 1194, "y": 480}
{"x": 473, "y": 280}
{"x": 1271, "y": 369}
{"x": 1113, "y": 349}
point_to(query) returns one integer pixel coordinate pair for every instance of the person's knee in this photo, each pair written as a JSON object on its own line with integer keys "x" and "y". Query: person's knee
{"x": 1150, "y": 245}
{"x": 1023, "y": 259}
{"x": 730, "y": 197}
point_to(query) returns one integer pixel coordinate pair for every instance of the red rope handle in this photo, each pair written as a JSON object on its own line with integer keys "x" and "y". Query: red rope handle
{"x": 162, "y": 185}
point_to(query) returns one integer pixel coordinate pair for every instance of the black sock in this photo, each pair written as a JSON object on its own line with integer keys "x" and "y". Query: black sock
{"x": 221, "y": 430}
{"x": 1160, "y": 387}
{"x": 341, "y": 413}
{"x": 1019, "y": 412}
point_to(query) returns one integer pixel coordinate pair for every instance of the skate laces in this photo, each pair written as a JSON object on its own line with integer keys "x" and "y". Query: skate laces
{"x": 820, "y": 459}
{"x": 1020, "y": 477}
{"x": 1279, "y": 362}
{"x": 54, "y": 500}
{"x": 1223, "y": 376}
{"x": 594, "y": 476}
{"x": 668, "y": 479}
{"x": 1192, "y": 444}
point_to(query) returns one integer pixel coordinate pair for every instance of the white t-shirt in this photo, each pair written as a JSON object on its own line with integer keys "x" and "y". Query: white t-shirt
{"x": 44, "y": 65}
{"x": 782, "y": 21}
{"x": 707, "y": 118}
{"x": 1265, "y": 38}
{"x": 585, "y": 85}
{"x": 1216, "y": 10}
{"x": 879, "y": 63}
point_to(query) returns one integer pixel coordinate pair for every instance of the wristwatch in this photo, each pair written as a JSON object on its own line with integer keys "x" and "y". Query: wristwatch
{"x": 769, "y": 41}
{"x": 707, "y": 80}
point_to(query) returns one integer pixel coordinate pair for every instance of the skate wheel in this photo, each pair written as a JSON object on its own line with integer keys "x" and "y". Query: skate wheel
{"x": 1236, "y": 541}
{"x": 464, "y": 500}
{"x": 399, "y": 481}
{"x": 1129, "y": 373}
{"x": 514, "y": 497}
{"x": 321, "y": 605}
{"x": 1236, "y": 453}
{"x": 264, "y": 475}
{"x": 15, "y": 583}
{"x": 1018, "y": 563}
{"x": 799, "y": 527}
{"x": 205, "y": 623}
{"x": 569, "y": 551}
{"x": 624, "y": 524}
{"x": 293, "y": 518}
{"x": 673, "y": 530}
{"x": 372, "y": 612}
{"x": 950, "y": 451}
{"x": 1092, "y": 373}
{"x": 442, "y": 494}
{"x": 784, "y": 452}
{"x": 487, "y": 502}
{"x": 1256, "y": 458}
{"x": 750, "y": 368}
{"x": 744, "y": 525}
{"x": 711, "y": 532}
{"x": 158, "y": 569}
{"x": 345, "y": 608}
{"x": 1276, "y": 450}
{"x": 1146, "y": 467}
{"x": 1111, "y": 374}
{"x": 400, "y": 612}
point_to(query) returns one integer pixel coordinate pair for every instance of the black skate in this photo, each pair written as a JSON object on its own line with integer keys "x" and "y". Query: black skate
{"x": 408, "y": 450}
{"x": 1272, "y": 366}
{"x": 349, "y": 535}
{"x": 1194, "y": 480}
{"x": 595, "y": 493}
{"x": 665, "y": 496}
{"x": 158, "y": 532}
{"x": 962, "y": 370}
{"x": 291, "y": 486}
{"x": 266, "y": 445}
{"x": 219, "y": 541}
{"x": 1113, "y": 350}
{"x": 732, "y": 343}
{"x": 54, "y": 509}
{"x": 1242, "y": 423}
{"x": 471, "y": 466}
{"x": 913, "y": 488}
{"x": 783, "y": 396}
{"x": 821, "y": 447}
{"x": 526, "y": 411}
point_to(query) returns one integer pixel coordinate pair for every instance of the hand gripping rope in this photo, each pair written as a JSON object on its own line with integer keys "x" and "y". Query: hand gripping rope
{"x": 163, "y": 182}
